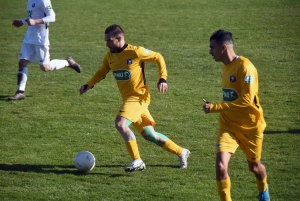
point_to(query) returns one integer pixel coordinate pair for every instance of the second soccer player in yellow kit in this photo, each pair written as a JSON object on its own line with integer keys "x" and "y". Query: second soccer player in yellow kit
{"x": 241, "y": 121}
{"x": 127, "y": 63}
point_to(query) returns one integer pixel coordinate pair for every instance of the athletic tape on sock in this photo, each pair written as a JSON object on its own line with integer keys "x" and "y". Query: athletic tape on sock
{"x": 153, "y": 137}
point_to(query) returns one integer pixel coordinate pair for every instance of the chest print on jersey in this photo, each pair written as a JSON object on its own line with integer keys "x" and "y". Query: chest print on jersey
{"x": 129, "y": 61}
{"x": 33, "y": 5}
{"x": 122, "y": 75}
{"x": 232, "y": 78}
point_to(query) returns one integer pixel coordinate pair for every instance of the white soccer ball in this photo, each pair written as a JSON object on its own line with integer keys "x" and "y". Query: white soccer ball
{"x": 84, "y": 161}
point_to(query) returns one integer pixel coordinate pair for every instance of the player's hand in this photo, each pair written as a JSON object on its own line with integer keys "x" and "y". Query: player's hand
{"x": 206, "y": 106}
{"x": 162, "y": 85}
{"x": 17, "y": 23}
{"x": 84, "y": 88}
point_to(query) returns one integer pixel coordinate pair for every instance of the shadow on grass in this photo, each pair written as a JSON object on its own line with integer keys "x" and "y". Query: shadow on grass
{"x": 291, "y": 131}
{"x": 56, "y": 169}
{"x": 5, "y": 97}
{"x": 153, "y": 165}
{"x": 164, "y": 166}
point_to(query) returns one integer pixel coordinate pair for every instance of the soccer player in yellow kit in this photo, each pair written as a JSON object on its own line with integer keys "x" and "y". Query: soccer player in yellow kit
{"x": 127, "y": 64}
{"x": 241, "y": 121}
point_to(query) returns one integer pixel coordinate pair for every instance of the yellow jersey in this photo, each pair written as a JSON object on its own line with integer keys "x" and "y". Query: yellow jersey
{"x": 128, "y": 69}
{"x": 240, "y": 110}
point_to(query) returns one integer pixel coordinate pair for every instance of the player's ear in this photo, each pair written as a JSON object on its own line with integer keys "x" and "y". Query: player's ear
{"x": 119, "y": 38}
{"x": 224, "y": 46}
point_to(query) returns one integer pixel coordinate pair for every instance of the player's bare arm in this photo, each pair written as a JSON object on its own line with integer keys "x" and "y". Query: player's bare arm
{"x": 32, "y": 22}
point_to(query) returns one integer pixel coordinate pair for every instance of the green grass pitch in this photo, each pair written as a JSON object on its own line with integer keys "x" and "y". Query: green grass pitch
{"x": 41, "y": 135}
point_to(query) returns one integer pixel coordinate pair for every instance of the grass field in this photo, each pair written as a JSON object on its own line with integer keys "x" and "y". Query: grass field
{"x": 41, "y": 134}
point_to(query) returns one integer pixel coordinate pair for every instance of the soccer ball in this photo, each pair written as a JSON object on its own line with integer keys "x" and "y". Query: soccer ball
{"x": 84, "y": 161}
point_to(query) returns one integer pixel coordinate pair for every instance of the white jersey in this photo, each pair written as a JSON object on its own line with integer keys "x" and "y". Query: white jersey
{"x": 39, "y": 33}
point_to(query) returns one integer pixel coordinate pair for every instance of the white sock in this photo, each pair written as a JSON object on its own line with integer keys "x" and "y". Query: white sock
{"x": 56, "y": 64}
{"x": 22, "y": 78}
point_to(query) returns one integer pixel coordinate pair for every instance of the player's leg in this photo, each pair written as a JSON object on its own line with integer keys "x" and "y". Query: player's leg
{"x": 145, "y": 124}
{"x": 130, "y": 112}
{"x": 167, "y": 144}
{"x": 252, "y": 146}
{"x": 122, "y": 125}
{"x": 222, "y": 177}
{"x": 226, "y": 146}
{"x": 27, "y": 55}
{"x": 56, "y": 64}
{"x": 260, "y": 173}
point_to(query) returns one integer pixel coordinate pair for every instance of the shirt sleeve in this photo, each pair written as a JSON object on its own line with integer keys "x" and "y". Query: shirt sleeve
{"x": 100, "y": 73}
{"x": 249, "y": 84}
{"x": 148, "y": 55}
{"x": 49, "y": 12}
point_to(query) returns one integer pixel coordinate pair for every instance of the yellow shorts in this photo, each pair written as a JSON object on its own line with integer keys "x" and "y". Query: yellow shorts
{"x": 138, "y": 114}
{"x": 251, "y": 144}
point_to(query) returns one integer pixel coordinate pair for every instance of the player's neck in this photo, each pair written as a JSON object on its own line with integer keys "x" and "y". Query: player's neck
{"x": 230, "y": 58}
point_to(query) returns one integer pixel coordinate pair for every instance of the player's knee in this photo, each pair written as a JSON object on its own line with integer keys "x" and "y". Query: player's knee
{"x": 120, "y": 126}
{"x": 221, "y": 168}
{"x": 255, "y": 167}
{"x": 45, "y": 67}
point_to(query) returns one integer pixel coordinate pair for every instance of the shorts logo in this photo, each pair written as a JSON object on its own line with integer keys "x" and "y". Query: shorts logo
{"x": 129, "y": 61}
{"x": 217, "y": 146}
{"x": 122, "y": 75}
{"x": 248, "y": 78}
{"x": 232, "y": 78}
{"x": 229, "y": 94}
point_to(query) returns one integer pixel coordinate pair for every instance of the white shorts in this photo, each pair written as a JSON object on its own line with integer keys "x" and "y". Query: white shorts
{"x": 32, "y": 52}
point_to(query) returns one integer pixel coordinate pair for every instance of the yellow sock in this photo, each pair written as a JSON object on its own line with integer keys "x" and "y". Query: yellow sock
{"x": 262, "y": 184}
{"x": 224, "y": 189}
{"x": 133, "y": 150}
{"x": 170, "y": 146}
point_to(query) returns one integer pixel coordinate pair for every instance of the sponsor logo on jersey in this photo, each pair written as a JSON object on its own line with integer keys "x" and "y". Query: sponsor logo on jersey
{"x": 249, "y": 78}
{"x": 33, "y": 5}
{"x": 147, "y": 51}
{"x": 232, "y": 78}
{"x": 129, "y": 61}
{"x": 229, "y": 95}
{"x": 122, "y": 75}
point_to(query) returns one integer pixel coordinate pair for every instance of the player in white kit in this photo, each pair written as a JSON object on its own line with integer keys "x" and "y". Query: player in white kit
{"x": 36, "y": 44}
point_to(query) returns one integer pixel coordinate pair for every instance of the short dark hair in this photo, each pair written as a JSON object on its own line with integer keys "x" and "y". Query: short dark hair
{"x": 222, "y": 36}
{"x": 114, "y": 29}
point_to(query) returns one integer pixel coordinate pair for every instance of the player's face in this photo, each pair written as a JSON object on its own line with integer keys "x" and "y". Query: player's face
{"x": 216, "y": 50}
{"x": 112, "y": 42}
